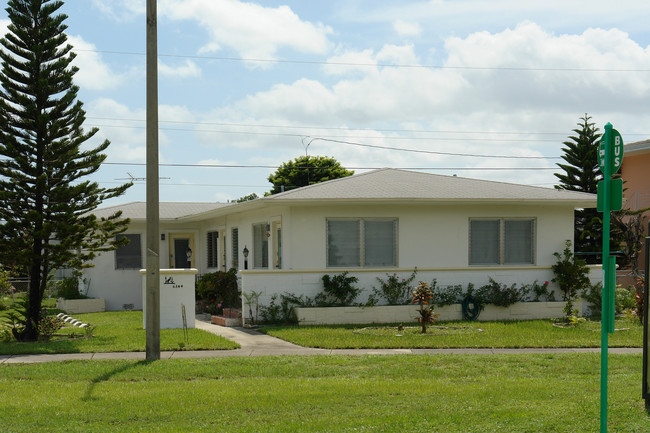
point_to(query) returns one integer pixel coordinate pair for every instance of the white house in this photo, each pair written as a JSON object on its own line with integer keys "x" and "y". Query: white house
{"x": 454, "y": 229}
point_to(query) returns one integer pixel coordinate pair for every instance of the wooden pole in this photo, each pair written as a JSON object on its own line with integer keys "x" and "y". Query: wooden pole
{"x": 152, "y": 281}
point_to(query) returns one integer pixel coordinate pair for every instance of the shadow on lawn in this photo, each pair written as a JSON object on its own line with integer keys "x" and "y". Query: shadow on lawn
{"x": 106, "y": 376}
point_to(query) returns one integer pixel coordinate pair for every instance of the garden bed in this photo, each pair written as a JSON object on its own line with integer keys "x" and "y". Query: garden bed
{"x": 409, "y": 313}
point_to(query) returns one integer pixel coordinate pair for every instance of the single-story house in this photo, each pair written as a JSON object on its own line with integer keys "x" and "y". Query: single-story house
{"x": 454, "y": 229}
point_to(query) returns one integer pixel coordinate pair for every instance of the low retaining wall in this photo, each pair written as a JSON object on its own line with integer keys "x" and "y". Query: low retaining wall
{"x": 409, "y": 313}
{"x": 80, "y": 306}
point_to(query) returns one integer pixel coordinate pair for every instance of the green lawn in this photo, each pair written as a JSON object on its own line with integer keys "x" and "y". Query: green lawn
{"x": 408, "y": 393}
{"x": 119, "y": 331}
{"x": 534, "y": 333}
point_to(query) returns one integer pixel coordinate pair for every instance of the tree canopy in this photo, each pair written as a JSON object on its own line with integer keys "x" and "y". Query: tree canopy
{"x": 46, "y": 204}
{"x": 581, "y": 173}
{"x": 306, "y": 170}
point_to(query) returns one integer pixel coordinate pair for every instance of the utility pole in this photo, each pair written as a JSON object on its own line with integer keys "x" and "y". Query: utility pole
{"x": 152, "y": 280}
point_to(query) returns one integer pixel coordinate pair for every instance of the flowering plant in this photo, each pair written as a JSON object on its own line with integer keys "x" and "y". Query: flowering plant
{"x": 423, "y": 296}
{"x": 48, "y": 325}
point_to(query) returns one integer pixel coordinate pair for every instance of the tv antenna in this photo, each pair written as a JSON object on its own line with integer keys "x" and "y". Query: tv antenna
{"x": 132, "y": 178}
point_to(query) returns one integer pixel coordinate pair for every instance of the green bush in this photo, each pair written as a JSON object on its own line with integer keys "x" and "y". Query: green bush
{"x": 446, "y": 295}
{"x": 284, "y": 312}
{"x": 500, "y": 294}
{"x": 218, "y": 290}
{"x": 571, "y": 273}
{"x": 338, "y": 291}
{"x": 624, "y": 299}
{"x": 395, "y": 290}
{"x": 68, "y": 288}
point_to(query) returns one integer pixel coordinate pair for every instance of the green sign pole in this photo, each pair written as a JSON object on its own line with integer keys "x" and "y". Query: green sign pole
{"x": 610, "y": 157}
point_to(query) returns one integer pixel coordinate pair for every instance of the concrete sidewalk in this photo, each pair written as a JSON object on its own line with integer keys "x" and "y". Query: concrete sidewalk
{"x": 257, "y": 344}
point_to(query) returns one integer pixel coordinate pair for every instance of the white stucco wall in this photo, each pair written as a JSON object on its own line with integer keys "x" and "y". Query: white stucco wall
{"x": 432, "y": 237}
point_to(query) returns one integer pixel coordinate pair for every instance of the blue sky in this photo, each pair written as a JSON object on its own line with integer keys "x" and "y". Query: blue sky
{"x": 250, "y": 83}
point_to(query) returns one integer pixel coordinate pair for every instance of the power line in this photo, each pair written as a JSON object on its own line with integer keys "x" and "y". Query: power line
{"x": 373, "y": 65}
{"x": 286, "y": 134}
{"x": 339, "y": 128}
{"x": 436, "y": 152}
{"x": 352, "y": 143}
{"x": 139, "y": 164}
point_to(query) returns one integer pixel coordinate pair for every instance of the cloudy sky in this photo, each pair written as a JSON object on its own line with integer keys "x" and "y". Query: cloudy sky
{"x": 481, "y": 89}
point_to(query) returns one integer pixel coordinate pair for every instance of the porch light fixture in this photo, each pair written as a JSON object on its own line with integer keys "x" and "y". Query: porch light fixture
{"x": 245, "y": 251}
{"x": 188, "y": 253}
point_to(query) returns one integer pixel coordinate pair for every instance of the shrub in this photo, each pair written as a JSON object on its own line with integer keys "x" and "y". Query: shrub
{"x": 284, "y": 312}
{"x": 539, "y": 291}
{"x": 68, "y": 288}
{"x": 338, "y": 290}
{"x": 218, "y": 290}
{"x": 624, "y": 299}
{"x": 48, "y": 325}
{"x": 571, "y": 273}
{"x": 446, "y": 295}
{"x": 395, "y": 290}
{"x": 500, "y": 294}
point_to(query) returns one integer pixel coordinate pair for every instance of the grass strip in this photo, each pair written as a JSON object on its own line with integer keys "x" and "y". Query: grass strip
{"x": 551, "y": 393}
{"x": 118, "y": 331}
{"x": 513, "y": 334}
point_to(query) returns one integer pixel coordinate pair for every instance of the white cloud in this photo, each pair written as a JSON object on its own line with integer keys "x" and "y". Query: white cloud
{"x": 479, "y": 101}
{"x": 254, "y": 31}
{"x": 127, "y": 138}
{"x": 188, "y": 69}
{"x": 121, "y": 10}
{"x": 406, "y": 28}
{"x": 93, "y": 73}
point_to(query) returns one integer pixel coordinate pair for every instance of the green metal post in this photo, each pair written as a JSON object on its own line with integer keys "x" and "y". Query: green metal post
{"x": 605, "y": 298}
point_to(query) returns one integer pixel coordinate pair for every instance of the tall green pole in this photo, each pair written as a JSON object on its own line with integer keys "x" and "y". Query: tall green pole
{"x": 605, "y": 298}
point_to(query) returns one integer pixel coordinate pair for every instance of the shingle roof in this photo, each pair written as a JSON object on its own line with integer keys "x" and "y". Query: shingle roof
{"x": 384, "y": 185}
{"x": 168, "y": 210}
{"x": 393, "y": 184}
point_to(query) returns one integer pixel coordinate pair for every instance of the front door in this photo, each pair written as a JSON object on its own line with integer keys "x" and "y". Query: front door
{"x": 181, "y": 250}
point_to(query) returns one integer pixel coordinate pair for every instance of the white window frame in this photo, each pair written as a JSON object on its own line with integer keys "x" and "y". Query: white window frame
{"x": 502, "y": 241}
{"x": 258, "y": 262}
{"x": 362, "y": 242}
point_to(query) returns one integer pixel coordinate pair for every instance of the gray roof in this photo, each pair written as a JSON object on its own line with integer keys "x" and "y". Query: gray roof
{"x": 393, "y": 184}
{"x": 168, "y": 210}
{"x": 642, "y": 146}
{"x": 377, "y": 186}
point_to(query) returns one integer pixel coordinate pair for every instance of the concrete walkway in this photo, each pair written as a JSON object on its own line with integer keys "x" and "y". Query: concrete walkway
{"x": 257, "y": 344}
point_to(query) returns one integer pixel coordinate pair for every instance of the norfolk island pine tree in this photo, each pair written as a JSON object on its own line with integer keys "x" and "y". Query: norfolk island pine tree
{"x": 46, "y": 204}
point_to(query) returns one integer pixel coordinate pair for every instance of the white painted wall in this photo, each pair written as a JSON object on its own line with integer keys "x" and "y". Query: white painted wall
{"x": 309, "y": 283}
{"x": 432, "y": 237}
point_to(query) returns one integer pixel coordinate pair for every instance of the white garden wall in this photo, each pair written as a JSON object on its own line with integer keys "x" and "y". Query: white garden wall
{"x": 409, "y": 313}
{"x": 309, "y": 283}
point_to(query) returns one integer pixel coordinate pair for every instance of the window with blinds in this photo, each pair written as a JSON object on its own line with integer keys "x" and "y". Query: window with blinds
{"x": 361, "y": 242}
{"x": 260, "y": 246}
{"x": 502, "y": 241}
